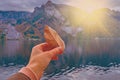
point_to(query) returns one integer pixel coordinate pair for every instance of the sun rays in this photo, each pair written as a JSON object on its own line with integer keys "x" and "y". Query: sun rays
{"x": 91, "y": 18}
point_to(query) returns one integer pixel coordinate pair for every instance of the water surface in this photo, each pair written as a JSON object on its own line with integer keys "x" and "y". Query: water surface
{"x": 95, "y": 59}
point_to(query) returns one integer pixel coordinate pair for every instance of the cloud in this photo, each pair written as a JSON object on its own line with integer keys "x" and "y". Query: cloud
{"x": 29, "y": 5}
{"x": 115, "y": 3}
{"x": 18, "y": 5}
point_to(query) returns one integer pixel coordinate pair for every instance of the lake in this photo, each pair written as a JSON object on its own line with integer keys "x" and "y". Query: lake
{"x": 94, "y": 59}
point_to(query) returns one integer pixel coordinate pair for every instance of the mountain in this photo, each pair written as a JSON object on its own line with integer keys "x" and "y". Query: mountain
{"x": 100, "y": 23}
{"x": 55, "y": 15}
{"x": 107, "y": 25}
{"x": 67, "y": 21}
{"x": 45, "y": 15}
{"x": 8, "y": 19}
{"x": 12, "y": 16}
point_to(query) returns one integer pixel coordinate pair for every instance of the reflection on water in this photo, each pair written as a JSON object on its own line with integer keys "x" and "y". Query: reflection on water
{"x": 100, "y": 54}
{"x": 15, "y": 51}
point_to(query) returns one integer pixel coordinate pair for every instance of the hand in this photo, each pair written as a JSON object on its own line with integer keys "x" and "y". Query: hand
{"x": 41, "y": 56}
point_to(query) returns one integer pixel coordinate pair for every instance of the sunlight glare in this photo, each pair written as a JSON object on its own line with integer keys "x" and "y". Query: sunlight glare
{"x": 92, "y": 18}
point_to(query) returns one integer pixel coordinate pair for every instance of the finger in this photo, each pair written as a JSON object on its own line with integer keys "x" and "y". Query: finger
{"x": 41, "y": 46}
{"x": 55, "y": 58}
{"x": 55, "y": 51}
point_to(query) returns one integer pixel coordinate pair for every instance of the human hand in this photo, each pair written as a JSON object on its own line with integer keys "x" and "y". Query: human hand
{"x": 53, "y": 39}
{"x": 41, "y": 56}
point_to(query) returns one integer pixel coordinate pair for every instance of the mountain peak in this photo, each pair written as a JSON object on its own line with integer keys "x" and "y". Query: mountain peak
{"x": 49, "y": 3}
{"x": 36, "y": 8}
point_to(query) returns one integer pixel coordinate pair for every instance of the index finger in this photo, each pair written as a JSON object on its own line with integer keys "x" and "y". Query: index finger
{"x": 41, "y": 46}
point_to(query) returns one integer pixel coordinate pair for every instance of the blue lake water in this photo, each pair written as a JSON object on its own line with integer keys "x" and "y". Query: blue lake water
{"x": 95, "y": 59}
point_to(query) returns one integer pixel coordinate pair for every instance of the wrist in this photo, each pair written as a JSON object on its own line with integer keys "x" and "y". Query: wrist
{"x": 36, "y": 71}
{"x": 29, "y": 73}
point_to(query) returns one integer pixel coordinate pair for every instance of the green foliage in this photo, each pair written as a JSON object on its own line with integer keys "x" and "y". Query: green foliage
{"x": 2, "y": 36}
{"x": 37, "y": 18}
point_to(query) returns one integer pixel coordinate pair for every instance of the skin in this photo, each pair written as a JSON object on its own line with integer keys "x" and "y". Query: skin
{"x": 41, "y": 56}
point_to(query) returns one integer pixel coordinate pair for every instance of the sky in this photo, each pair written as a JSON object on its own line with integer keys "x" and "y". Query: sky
{"x": 29, "y": 5}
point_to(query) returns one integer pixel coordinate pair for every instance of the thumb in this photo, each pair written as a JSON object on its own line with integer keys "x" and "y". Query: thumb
{"x": 55, "y": 51}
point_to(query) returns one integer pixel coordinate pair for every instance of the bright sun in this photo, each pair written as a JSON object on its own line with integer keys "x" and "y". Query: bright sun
{"x": 91, "y": 20}
{"x": 90, "y": 5}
